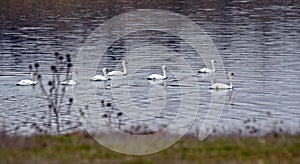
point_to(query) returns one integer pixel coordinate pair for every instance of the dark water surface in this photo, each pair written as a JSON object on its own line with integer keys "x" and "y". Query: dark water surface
{"x": 258, "y": 41}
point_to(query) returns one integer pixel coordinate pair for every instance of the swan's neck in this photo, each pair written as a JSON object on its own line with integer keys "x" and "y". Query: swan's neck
{"x": 104, "y": 74}
{"x": 124, "y": 69}
{"x": 32, "y": 76}
{"x": 213, "y": 66}
{"x": 230, "y": 81}
{"x": 74, "y": 76}
{"x": 164, "y": 73}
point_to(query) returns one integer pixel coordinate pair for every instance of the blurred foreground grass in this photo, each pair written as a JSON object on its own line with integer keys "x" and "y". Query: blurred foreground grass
{"x": 80, "y": 148}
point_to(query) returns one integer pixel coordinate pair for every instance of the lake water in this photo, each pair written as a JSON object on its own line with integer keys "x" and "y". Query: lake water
{"x": 258, "y": 41}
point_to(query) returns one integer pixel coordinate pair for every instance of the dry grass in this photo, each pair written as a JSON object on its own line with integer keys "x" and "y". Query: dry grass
{"x": 80, "y": 148}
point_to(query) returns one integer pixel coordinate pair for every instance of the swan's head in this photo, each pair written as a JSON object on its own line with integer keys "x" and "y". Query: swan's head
{"x": 230, "y": 73}
{"x": 104, "y": 69}
{"x": 33, "y": 74}
{"x": 213, "y": 61}
{"x": 124, "y": 62}
{"x": 164, "y": 67}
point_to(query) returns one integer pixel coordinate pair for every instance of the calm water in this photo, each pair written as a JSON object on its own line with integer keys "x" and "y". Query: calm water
{"x": 258, "y": 41}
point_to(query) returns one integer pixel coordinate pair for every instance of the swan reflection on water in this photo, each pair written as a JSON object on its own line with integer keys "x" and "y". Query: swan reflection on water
{"x": 221, "y": 93}
{"x": 158, "y": 83}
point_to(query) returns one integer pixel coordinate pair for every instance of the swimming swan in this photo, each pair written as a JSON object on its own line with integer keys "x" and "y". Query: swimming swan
{"x": 223, "y": 86}
{"x": 27, "y": 81}
{"x": 72, "y": 81}
{"x": 157, "y": 76}
{"x": 208, "y": 70}
{"x": 119, "y": 73}
{"x": 100, "y": 77}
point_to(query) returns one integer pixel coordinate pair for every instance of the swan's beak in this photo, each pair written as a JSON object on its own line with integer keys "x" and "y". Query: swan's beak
{"x": 232, "y": 74}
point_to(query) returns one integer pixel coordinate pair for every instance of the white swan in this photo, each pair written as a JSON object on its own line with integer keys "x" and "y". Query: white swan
{"x": 100, "y": 77}
{"x": 208, "y": 70}
{"x": 223, "y": 86}
{"x": 72, "y": 81}
{"x": 119, "y": 73}
{"x": 157, "y": 76}
{"x": 27, "y": 81}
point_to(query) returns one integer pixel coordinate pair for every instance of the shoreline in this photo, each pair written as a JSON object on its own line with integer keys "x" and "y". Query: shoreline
{"x": 79, "y": 147}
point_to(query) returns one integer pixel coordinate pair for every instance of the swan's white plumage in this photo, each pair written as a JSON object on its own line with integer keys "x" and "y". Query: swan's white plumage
{"x": 205, "y": 70}
{"x": 119, "y": 73}
{"x": 157, "y": 76}
{"x": 115, "y": 73}
{"x": 27, "y": 81}
{"x": 219, "y": 86}
{"x": 223, "y": 86}
{"x": 72, "y": 81}
{"x": 69, "y": 82}
{"x": 100, "y": 77}
{"x": 208, "y": 70}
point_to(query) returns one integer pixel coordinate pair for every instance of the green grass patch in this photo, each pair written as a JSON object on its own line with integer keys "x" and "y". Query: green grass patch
{"x": 80, "y": 148}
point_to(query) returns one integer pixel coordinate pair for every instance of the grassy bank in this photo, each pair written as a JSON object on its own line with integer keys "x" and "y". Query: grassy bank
{"x": 80, "y": 148}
